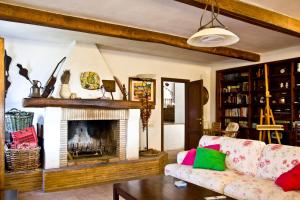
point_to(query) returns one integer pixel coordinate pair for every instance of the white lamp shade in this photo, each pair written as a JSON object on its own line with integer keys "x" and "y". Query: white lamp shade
{"x": 213, "y": 37}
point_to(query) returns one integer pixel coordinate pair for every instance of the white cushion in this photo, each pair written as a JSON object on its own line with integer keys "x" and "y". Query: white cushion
{"x": 210, "y": 179}
{"x": 251, "y": 188}
{"x": 277, "y": 159}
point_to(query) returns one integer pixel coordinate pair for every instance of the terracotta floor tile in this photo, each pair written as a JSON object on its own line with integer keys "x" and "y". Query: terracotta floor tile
{"x": 101, "y": 192}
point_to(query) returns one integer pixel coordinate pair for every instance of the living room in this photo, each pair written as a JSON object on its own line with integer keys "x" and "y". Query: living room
{"x": 71, "y": 66}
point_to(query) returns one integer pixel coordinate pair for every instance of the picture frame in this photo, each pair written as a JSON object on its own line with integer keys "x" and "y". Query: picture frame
{"x": 136, "y": 89}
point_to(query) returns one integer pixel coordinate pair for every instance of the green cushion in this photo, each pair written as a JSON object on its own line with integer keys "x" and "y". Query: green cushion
{"x": 209, "y": 159}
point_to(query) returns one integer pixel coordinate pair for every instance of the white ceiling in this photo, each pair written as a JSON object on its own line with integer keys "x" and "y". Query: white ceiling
{"x": 171, "y": 17}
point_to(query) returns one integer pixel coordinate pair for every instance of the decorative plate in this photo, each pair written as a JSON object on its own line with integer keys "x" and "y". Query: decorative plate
{"x": 90, "y": 80}
{"x": 205, "y": 96}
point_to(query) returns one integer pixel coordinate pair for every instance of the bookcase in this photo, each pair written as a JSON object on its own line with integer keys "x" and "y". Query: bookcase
{"x": 240, "y": 95}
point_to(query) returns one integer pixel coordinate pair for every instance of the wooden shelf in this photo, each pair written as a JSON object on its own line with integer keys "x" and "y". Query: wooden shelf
{"x": 81, "y": 103}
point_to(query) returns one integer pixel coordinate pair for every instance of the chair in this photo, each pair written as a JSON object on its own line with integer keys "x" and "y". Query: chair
{"x": 214, "y": 130}
{"x": 231, "y": 130}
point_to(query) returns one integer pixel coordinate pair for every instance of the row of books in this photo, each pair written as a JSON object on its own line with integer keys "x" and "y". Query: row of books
{"x": 236, "y": 88}
{"x": 238, "y": 99}
{"x": 236, "y": 112}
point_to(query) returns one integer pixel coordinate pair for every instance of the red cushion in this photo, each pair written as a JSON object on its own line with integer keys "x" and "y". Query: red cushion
{"x": 191, "y": 155}
{"x": 290, "y": 180}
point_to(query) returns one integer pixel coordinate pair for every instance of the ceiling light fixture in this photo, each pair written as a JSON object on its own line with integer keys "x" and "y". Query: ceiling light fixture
{"x": 213, "y": 33}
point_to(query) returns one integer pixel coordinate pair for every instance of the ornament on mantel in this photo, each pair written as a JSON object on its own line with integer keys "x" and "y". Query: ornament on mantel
{"x": 65, "y": 92}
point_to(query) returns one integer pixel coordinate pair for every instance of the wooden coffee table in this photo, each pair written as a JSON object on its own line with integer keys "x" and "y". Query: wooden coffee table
{"x": 160, "y": 188}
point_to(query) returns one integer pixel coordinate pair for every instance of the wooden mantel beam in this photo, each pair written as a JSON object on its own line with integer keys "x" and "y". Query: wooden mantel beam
{"x": 253, "y": 14}
{"x": 43, "y": 18}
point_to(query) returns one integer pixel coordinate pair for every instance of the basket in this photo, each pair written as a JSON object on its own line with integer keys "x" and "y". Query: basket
{"x": 17, "y": 120}
{"x": 22, "y": 159}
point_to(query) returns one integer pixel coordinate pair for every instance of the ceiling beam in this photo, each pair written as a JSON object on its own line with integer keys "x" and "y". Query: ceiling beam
{"x": 253, "y": 14}
{"x": 43, "y": 18}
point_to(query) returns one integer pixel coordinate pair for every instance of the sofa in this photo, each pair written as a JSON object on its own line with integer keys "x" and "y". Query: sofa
{"x": 251, "y": 169}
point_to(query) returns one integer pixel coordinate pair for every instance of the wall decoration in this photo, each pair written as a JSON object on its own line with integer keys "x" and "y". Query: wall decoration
{"x": 139, "y": 87}
{"x": 108, "y": 86}
{"x": 90, "y": 80}
{"x": 65, "y": 92}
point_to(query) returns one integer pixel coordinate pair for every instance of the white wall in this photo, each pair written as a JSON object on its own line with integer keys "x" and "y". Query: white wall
{"x": 126, "y": 64}
{"x": 41, "y": 58}
{"x": 173, "y": 137}
{"x": 179, "y": 103}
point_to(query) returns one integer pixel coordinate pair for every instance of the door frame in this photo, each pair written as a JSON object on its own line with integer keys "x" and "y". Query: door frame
{"x": 2, "y": 100}
{"x": 176, "y": 80}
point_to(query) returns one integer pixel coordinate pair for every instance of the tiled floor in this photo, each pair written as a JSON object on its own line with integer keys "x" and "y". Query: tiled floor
{"x": 101, "y": 192}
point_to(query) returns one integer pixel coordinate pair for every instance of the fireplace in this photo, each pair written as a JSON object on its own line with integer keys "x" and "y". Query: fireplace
{"x": 93, "y": 138}
{"x": 60, "y": 146}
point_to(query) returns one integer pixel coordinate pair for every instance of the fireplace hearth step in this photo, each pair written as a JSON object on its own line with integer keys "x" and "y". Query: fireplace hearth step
{"x": 93, "y": 160}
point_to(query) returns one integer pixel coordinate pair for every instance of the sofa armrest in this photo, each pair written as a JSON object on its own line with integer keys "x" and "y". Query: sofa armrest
{"x": 180, "y": 156}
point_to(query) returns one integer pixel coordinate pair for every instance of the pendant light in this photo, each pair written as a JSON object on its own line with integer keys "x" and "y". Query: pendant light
{"x": 213, "y": 33}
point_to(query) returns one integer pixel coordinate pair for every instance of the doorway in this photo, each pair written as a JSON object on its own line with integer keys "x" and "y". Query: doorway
{"x": 173, "y": 100}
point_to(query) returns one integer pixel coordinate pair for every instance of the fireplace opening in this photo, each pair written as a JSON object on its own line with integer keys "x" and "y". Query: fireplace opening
{"x": 93, "y": 138}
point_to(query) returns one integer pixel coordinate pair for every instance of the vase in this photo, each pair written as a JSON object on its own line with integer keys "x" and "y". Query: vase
{"x": 65, "y": 92}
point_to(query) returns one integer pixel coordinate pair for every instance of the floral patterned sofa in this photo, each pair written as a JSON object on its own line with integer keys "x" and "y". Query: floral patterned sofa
{"x": 252, "y": 167}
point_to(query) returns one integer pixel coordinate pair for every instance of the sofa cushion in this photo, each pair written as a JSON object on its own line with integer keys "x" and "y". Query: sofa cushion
{"x": 189, "y": 158}
{"x": 253, "y": 188}
{"x": 290, "y": 180}
{"x": 209, "y": 159}
{"x": 213, "y": 180}
{"x": 277, "y": 159}
{"x": 242, "y": 155}
{"x": 180, "y": 156}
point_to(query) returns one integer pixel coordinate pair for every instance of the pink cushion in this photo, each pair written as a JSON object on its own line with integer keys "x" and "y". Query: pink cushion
{"x": 189, "y": 158}
{"x": 216, "y": 147}
{"x": 290, "y": 180}
{"x": 191, "y": 155}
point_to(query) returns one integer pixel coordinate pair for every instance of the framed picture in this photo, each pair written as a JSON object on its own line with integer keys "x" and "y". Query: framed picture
{"x": 138, "y": 86}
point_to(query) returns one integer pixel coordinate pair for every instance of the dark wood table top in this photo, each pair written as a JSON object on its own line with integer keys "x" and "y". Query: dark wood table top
{"x": 8, "y": 195}
{"x": 161, "y": 188}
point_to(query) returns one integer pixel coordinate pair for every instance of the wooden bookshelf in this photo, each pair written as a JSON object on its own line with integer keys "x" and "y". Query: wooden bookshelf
{"x": 284, "y": 78}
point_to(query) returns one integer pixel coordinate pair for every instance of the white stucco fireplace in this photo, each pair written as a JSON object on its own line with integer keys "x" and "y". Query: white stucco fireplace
{"x": 56, "y": 132}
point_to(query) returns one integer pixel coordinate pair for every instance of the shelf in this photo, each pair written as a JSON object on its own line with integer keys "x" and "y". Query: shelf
{"x": 80, "y": 103}
{"x": 232, "y": 117}
{"x": 235, "y": 105}
{"x": 240, "y": 92}
{"x": 235, "y": 81}
{"x": 286, "y": 75}
{"x": 281, "y": 90}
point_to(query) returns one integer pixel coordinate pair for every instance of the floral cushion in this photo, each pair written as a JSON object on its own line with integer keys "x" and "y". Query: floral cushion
{"x": 277, "y": 159}
{"x": 180, "y": 156}
{"x": 210, "y": 179}
{"x": 252, "y": 188}
{"x": 242, "y": 155}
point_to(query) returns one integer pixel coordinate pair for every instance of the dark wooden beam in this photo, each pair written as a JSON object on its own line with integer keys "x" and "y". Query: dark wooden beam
{"x": 253, "y": 14}
{"x": 32, "y": 16}
{"x": 81, "y": 103}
